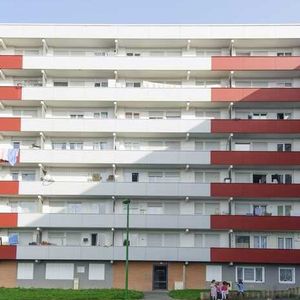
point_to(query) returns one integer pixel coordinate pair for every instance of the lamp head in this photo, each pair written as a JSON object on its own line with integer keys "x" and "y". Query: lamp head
{"x": 126, "y": 201}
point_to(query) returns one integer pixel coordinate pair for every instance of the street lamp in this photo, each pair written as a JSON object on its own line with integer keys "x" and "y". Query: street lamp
{"x": 127, "y": 203}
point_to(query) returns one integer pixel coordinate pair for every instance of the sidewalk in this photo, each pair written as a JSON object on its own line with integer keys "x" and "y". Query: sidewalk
{"x": 156, "y": 296}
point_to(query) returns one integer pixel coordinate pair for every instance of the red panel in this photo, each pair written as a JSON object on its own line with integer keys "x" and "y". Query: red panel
{"x": 9, "y": 187}
{"x": 228, "y": 63}
{"x": 8, "y": 220}
{"x": 242, "y": 255}
{"x": 10, "y": 124}
{"x": 11, "y": 61}
{"x": 253, "y": 94}
{"x": 10, "y": 93}
{"x": 255, "y": 223}
{"x": 255, "y": 158}
{"x": 255, "y": 126}
{"x": 8, "y": 252}
{"x": 257, "y": 190}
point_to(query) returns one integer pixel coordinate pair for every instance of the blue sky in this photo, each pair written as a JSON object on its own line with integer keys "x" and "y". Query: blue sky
{"x": 150, "y": 11}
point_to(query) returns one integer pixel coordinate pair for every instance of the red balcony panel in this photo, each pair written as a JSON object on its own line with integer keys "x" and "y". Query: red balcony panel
{"x": 245, "y": 255}
{"x": 255, "y": 158}
{"x": 255, "y": 190}
{"x": 10, "y": 93}
{"x": 10, "y": 124}
{"x": 8, "y": 220}
{"x": 255, "y": 126}
{"x": 9, "y": 187}
{"x": 255, "y": 223}
{"x": 255, "y": 94}
{"x": 229, "y": 63}
{"x": 11, "y": 61}
{"x": 8, "y": 252}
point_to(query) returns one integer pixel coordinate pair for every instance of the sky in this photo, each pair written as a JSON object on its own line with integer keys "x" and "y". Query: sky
{"x": 151, "y": 11}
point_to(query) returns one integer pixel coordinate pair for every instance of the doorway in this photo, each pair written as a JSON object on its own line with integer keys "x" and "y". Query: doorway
{"x": 160, "y": 277}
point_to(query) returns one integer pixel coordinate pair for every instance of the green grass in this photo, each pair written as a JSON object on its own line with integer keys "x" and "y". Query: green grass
{"x": 186, "y": 294}
{"x": 60, "y": 294}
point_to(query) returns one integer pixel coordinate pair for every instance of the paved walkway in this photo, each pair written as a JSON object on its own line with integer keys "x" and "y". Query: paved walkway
{"x": 157, "y": 296}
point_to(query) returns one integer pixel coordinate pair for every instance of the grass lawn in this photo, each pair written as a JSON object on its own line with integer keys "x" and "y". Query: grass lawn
{"x": 60, "y": 294}
{"x": 186, "y": 294}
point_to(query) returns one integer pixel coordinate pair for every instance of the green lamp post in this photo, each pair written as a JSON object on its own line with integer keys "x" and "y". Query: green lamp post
{"x": 127, "y": 203}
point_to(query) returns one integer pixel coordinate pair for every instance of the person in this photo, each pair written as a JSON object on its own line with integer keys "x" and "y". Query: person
{"x": 241, "y": 289}
{"x": 219, "y": 290}
{"x": 213, "y": 290}
{"x": 225, "y": 290}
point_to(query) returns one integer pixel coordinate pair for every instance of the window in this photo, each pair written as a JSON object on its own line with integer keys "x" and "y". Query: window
{"x": 284, "y": 116}
{"x": 74, "y": 207}
{"x": 59, "y": 146}
{"x": 76, "y": 116}
{"x": 172, "y": 208}
{"x": 172, "y": 176}
{"x": 242, "y": 146}
{"x": 285, "y": 243}
{"x": 155, "y": 115}
{"x": 259, "y": 116}
{"x": 242, "y": 208}
{"x": 28, "y": 176}
{"x": 96, "y": 271}
{"x": 135, "y": 84}
{"x": 132, "y": 115}
{"x": 171, "y": 240}
{"x": 134, "y": 177}
{"x": 250, "y": 274}
{"x": 198, "y": 240}
{"x": 60, "y": 83}
{"x": 284, "y": 210}
{"x": 99, "y": 145}
{"x": 213, "y": 272}
{"x": 155, "y": 176}
{"x": 212, "y": 209}
{"x": 212, "y": 177}
{"x": 260, "y": 241}
{"x": 60, "y": 271}
{"x": 286, "y": 275}
{"x": 102, "y": 115}
{"x": 284, "y": 53}
{"x": 154, "y": 208}
{"x": 101, "y": 84}
{"x": 25, "y": 271}
{"x": 198, "y": 208}
{"x": 76, "y": 146}
{"x": 154, "y": 240}
{"x": 212, "y": 240}
{"x": 284, "y": 147}
{"x": 259, "y": 210}
{"x": 173, "y": 115}
{"x": 242, "y": 241}
{"x": 94, "y": 238}
{"x": 172, "y": 145}
{"x": 258, "y": 178}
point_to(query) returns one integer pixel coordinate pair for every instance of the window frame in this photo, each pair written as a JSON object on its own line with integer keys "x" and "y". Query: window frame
{"x": 250, "y": 267}
{"x": 293, "y": 275}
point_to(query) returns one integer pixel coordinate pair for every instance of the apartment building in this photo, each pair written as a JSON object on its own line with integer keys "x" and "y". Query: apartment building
{"x": 198, "y": 125}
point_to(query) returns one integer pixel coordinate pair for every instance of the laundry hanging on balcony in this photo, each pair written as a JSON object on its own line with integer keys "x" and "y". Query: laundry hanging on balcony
{"x": 9, "y": 155}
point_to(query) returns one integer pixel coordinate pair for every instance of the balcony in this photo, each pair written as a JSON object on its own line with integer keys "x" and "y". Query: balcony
{"x": 120, "y": 63}
{"x": 118, "y": 94}
{"x": 105, "y": 125}
{"x": 8, "y": 252}
{"x": 130, "y": 189}
{"x": 65, "y": 220}
{"x": 256, "y": 126}
{"x": 263, "y": 256}
{"x": 112, "y": 253}
{"x": 109, "y": 157}
{"x": 255, "y": 190}
{"x": 255, "y": 94}
{"x": 10, "y": 93}
{"x": 255, "y": 63}
{"x": 255, "y": 223}
{"x": 11, "y": 61}
{"x": 8, "y": 220}
{"x": 250, "y": 158}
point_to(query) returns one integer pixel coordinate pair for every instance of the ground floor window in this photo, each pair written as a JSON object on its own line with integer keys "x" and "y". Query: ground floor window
{"x": 286, "y": 275}
{"x": 250, "y": 274}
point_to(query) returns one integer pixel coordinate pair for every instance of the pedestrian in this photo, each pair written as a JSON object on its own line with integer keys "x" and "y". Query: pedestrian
{"x": 213, "y": 290}
{"x": 241, "y": 289}
{"x": 219, "y": 290}
{"x": 224, "y": 290}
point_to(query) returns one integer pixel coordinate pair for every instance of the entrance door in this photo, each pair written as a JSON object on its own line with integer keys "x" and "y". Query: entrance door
{"x": 160, "y": 277}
